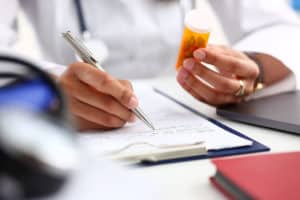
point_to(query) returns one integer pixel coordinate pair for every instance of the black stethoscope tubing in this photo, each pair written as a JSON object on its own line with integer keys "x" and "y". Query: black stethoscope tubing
{"x": 80, "y": 15}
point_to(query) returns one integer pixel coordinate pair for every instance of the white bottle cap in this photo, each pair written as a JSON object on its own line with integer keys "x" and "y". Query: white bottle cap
{"x": 193, "y": 21}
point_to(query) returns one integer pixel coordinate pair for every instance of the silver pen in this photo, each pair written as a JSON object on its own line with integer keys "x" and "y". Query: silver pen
{"x": 86, "y": 55}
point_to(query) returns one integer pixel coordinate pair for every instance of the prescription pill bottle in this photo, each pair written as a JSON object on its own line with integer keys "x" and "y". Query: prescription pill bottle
{"x": 194, "y": 36}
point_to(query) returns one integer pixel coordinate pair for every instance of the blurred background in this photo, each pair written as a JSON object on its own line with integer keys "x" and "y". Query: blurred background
{"x": 28, "y": 43}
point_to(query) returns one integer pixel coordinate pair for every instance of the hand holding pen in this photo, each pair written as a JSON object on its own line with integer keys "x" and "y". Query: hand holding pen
{"x": 98, "y": 100}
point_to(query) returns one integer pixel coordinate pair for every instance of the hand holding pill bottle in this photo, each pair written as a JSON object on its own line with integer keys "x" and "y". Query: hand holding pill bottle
{"x": 194, "y": 36}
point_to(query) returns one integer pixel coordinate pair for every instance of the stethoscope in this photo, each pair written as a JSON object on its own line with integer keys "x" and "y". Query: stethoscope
{"x": 34, "y": 130}
{"x": 97, "y": 46}
{"x": 82, "y": 21}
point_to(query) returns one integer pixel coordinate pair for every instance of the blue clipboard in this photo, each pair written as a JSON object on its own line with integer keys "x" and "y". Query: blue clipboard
{"x": 255, "y": 148}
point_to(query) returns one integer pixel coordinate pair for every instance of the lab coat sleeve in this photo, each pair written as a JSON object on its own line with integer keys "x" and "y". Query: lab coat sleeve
{"x": 8, "y": 23}
{"x": 264, "y": 26}
{"x": 54, "y": 68}
{"x": 282, "y": 42}
{"x": 9, "y": 10}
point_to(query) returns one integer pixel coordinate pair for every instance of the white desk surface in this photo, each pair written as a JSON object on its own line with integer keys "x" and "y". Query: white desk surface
{"x": 190, "y": 180}
{"x": 177, "y": 181}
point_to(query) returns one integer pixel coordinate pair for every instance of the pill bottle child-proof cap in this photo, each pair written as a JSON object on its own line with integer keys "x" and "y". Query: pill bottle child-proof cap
{"x": 194, "y": 21}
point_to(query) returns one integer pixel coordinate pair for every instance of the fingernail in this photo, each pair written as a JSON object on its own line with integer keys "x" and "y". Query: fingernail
{"x": 189, "y": 64}
{"x": 182, "y": 75}
{"x": 133, "y": 102}
{"x": 199, "y": 54}
{"x": 132, "y": 119}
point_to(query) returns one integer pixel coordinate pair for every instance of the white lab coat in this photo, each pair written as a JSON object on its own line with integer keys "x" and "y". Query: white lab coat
{"x": 142, "y": 36}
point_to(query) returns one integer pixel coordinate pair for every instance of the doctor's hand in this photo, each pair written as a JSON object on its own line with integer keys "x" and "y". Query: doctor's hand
{"x": 97, "y": 100}
{"x": 234, "y": 78}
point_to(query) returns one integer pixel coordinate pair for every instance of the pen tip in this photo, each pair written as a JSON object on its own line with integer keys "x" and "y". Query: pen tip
{"x": 152, "y": 127}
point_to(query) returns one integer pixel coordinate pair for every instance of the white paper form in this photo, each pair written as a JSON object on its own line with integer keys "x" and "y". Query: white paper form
{"x": 175, "y": 125}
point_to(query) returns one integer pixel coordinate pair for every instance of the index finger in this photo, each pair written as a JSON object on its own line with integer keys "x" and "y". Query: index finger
{"x": 105, "y": 83}
{"x": 225, "y": 63}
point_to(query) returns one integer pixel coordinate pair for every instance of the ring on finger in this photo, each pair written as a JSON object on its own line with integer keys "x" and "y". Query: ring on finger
{"x": 241, "y": 90}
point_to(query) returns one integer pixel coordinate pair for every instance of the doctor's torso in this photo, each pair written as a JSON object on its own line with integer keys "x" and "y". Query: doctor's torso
{"x": 141, "y": 35}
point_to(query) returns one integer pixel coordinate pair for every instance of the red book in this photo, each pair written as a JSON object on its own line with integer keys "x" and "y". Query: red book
{"x": 265, "y": 176}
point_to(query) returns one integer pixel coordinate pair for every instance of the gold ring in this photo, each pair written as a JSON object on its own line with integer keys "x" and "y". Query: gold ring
{"x": 241, "y": 91}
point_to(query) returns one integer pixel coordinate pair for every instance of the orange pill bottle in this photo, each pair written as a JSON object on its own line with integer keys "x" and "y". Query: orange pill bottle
{"x": 194, "y": 36}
